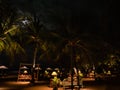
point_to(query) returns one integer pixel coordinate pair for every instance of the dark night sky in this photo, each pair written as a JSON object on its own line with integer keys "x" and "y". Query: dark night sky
{"x": 101, "y": 16}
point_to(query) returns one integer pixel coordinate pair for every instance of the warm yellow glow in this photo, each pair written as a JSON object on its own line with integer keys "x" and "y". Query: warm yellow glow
{"x": 54, "y": 73}
{"x": 25, "y": 71}
{"x": 19, "y": 82}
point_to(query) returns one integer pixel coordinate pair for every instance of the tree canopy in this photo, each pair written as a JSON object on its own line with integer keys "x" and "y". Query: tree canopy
{"x": 51, "y": 25}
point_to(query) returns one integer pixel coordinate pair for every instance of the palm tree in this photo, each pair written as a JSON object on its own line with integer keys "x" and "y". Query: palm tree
{"x": 66, "y": 37}
{"x": 34, "y": 37}
{"x": 9, "y": 31}
{"x": 9, "y": 44}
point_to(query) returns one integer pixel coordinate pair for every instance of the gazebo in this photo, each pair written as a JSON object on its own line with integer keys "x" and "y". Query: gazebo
{"x": 3, "y": 71}
{"x": 25, "y": 72}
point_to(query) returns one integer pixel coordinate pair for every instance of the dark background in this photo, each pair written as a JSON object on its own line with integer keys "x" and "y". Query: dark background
{"x": 95, "y": 21}
{"x": 96, "y": 17}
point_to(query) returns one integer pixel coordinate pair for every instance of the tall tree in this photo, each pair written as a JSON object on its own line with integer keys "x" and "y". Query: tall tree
{"x": 8, "y": 30}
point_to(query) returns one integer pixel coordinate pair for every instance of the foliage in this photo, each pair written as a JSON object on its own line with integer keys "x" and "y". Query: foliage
{"x": 9, "y": 29}
{"x": 50, "y": 31}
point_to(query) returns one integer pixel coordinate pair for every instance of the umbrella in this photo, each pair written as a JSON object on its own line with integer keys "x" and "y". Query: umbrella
{"x": 38, "y": 68}
{"x": 24, "y": 67}
{"x": 54, "y": 73}
{"x": 57, "y": 69}
{"x": 3, "y": 67}
{"x": 49, "y": 68}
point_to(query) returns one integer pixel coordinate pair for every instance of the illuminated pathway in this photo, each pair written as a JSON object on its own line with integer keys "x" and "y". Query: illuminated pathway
{"x": 99, "y": 87}
{"x": 26, "y": 86}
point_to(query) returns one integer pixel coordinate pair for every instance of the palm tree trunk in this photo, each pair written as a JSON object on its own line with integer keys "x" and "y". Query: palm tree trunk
{"x": 34, "y": 58}
{"x": 72, "y": 64}
{"x": 33, "y": 65}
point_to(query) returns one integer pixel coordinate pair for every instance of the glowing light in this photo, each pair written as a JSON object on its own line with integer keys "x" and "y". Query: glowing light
{"x": 25, "y": 71}
{"x": 18, "y": 82}
{"x": 86, "y": 89}
{"x": 54, "y": 73}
